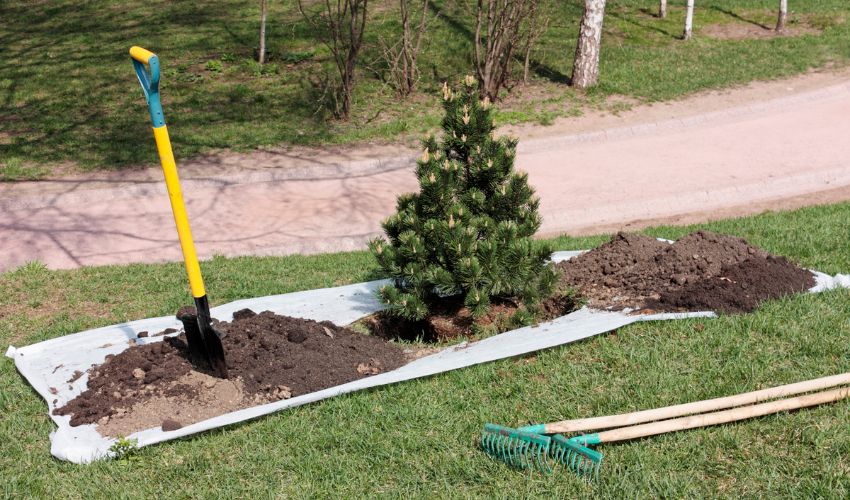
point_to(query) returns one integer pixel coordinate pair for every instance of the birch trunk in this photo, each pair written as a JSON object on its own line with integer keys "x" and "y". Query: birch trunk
{"x": 689, "y": 21}
{"x": 586, "y": 65}
{"x": 783, "y": 15}
{"x": 662, "y": 9}
{"x": 264, "y": 8}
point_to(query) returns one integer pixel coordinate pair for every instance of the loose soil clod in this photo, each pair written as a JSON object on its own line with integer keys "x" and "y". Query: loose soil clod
{"x": 269, "y": 357}
{"x": 75, "y": 376}
{"x": 701, "y": 271}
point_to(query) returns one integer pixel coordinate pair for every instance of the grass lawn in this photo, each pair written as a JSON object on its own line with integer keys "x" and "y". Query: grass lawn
{"x": 69, "y": 100}
{"x": 420, "y": 438}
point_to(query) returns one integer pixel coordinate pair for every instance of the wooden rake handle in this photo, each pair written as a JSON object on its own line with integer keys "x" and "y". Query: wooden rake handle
{"x": 722, "y": 417}
{"x": 639, "y": 417}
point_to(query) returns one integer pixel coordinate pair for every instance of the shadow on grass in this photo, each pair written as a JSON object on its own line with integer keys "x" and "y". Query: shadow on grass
{"x": 550, "y": 73}
{"x": 651, "y": 13}
{"x": 641, "y": 25}
{"x": 738, "y": 17}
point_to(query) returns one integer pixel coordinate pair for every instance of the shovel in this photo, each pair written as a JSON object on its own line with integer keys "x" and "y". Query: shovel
{"x": 204, "y": 340}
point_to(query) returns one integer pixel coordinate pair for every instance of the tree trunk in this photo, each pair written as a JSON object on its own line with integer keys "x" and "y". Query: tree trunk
{"x": 662, "y": 9}
{"x": 347, "y": 90}
{"x": 586, "y": 65}
{"x": 689, "y": 21}
{"x": 357, "y": 23}
{"x": 406, "y": 50}
{"x": 264, "y": 7}
{"x": 783, "y": 15}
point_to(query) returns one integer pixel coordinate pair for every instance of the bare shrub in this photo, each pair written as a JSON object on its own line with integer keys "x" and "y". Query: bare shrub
{"x": 402, "y": 57}
{"x": 499, "y": 29}
{"x": 340, "y": 25}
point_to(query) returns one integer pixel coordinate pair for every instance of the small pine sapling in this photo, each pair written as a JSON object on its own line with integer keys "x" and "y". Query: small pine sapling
{"x": 467, "y": 233}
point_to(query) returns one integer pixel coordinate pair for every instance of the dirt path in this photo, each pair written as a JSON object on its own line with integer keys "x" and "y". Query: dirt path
{"x": 765, "y": 146}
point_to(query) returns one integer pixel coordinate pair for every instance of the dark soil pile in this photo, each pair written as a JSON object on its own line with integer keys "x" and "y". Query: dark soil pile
{"x": 269, "y": 357}
{"x": 266, "y": 350}
{"x": 700, "y": 271}
{"x": 740, "y": 287}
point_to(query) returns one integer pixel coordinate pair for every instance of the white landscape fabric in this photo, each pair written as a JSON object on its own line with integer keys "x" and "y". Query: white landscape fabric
{"x": 49, "y": 365}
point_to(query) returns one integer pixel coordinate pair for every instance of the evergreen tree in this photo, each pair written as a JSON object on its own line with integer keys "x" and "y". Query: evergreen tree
{"x": 468, "y": 231}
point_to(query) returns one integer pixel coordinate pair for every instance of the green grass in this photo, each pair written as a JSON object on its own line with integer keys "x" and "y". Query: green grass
{"x": 68, "y": 95}
{"x": 419, "y": 438}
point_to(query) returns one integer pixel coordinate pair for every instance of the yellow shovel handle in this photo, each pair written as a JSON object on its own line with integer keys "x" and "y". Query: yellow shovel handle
{"x": 181, "y": 220}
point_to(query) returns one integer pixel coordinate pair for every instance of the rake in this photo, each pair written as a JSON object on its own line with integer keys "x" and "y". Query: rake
{"x": 529, "y": 447}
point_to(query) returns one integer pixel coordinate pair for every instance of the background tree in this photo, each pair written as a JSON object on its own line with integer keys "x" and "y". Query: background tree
{"x": 783, "y": 15}
{"x": 403, "y": 58}
{"x": 537, "y": 25}
{"x": 586, "y": 64}
{"x": 689, "y": 21}
{"x": 341, "y": 26}
{"x": 466, "y": 235}
{"x": 264, "y": 10}
{"x": 662, "y": 9}
{"x": 498, "y": 33}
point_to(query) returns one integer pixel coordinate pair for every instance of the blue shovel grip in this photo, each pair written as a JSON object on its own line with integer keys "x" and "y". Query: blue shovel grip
{"x": 146, "y": 64}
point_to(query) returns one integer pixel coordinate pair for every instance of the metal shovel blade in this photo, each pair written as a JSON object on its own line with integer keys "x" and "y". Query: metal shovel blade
{"x": 214, "y": 349}
{"x": 204, "y": 340}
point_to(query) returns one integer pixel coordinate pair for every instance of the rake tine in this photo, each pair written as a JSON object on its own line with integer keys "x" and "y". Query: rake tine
{"x": 509, "y": 449}
{"x": 522, "y": 455}
{"x": 520, "y": 449}
{"x": 556, "y": 453}
{"x": 565, "y": 456}
{"x": 586, "y": 464}
{"x": 542, "y": 461}
{"x": 574, "y": 455}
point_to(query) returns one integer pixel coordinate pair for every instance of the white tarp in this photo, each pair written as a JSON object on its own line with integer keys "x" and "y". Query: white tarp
{"x": 49, "y": 365}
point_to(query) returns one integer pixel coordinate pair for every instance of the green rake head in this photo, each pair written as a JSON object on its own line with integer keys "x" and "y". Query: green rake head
{"x": 525, "y": 449}
{"x": 517, "y": 448}
{"x": 576, "y": 457}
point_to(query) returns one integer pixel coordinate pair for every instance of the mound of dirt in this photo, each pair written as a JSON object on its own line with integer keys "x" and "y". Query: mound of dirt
{"x": 697, "y": 272}
{"x": 269, "y": 358}
{"x": 740, "y": 287}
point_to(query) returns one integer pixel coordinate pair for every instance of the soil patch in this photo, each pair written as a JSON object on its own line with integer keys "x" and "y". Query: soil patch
{"x": 700, "y": 271}
{"x": 269, "y": 358}
{"x": 749, "y": 31}
{"x": 450, "y": 319}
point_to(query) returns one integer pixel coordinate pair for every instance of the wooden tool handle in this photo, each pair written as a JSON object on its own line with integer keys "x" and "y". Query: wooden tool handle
{"x": 639, "y": 417}
{"x": 722, "y": 417}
